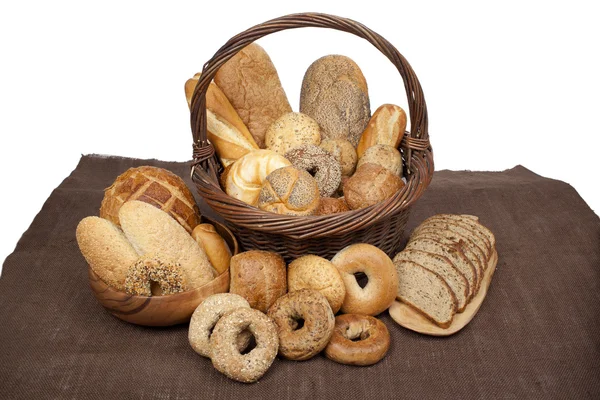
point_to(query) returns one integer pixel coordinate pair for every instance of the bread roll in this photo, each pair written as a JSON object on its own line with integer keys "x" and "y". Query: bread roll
{"x": 106, "y": 250}
{"x": 151, "y": 230}
{"x": 344, "y": 152}
{"x": 250, "y": 82}
{"x": 387, "y": 126}
{"x": 331, "y": 84}
{"x": 259, "y": 277}
{"x": 224, "y": 127}
{"x": 157, "y": 186}
{"x": 292, "y": 130}
{"x": 246, "y": 176}
{"x": 386, "y": 156}
{"x": 329, "y": 205}
{"x": 214, "y": 246}
{"x": 369, "y": 185}
{"x": 317, "y": 273}
{"x": 289, "y": 191}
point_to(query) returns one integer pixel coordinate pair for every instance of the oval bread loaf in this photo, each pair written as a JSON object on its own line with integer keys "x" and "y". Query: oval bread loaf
{"x": 151, "y": 230}
{"x": 387, "y": 126}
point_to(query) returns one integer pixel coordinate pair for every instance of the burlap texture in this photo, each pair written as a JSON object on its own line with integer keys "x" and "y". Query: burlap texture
{"x": 537, "y": 334}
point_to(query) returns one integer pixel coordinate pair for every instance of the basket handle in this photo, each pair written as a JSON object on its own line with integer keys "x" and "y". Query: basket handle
{"x": 204, "y": 155}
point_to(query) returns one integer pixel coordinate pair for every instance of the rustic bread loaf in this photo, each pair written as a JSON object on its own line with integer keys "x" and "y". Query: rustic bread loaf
{"x": 382, "y": 154}
{"x": 387, "y": 126}
{"x": 151, "y": 230}
{"x": 251, "y": 83}
{"x": 106, "y": 250}
{"x": 425, "y": 291}
{"x": 331, "y": 84}
{"x": 370, "y": 184}
{"x": 444, "y": 268}
{"x": 452, "y": 253}
{"x": 156, "y": 186}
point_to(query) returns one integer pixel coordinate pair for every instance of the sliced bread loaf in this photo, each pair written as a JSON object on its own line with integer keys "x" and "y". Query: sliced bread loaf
{"x": 425, "y": 291}
{"x": 454, "y": 254}
{"x": 470, "y": 223}
{"x": 444, "y": 268}
{"x": 472, "y": 251}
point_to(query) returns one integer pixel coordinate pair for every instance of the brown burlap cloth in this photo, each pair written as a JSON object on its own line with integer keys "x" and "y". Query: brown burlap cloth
{"x": 537, "y": 334}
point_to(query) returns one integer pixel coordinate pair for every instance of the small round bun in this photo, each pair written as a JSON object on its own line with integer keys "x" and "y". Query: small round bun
{"x": 317, "y": 273}
{"x": 381, "y": 154}
{"x": 319, "y": 163}
{"x": 330, "y": 205}
{"x": 370, "y": 184}
{"x": 382, "y": 285}
{"x": 344, "y": 152}
{"x": 289, "y": 191}
{"x": 292, "y": 130}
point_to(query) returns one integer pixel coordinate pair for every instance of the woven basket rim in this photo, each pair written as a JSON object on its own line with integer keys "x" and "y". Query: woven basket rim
{"x": 416, "y": 149}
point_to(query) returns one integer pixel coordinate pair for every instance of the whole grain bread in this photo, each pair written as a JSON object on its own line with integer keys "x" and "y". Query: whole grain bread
{"x": 425, "y": 291}
{"x": 151, "y": 230}
{"x": 473, "y": 222}
{"x": 106, "y": 250}
{"x": 444, "y": 268}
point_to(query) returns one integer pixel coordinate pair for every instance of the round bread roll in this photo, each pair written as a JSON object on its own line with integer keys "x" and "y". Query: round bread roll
{"x": 246, "y": 176}
{"x": 330, "y": 205}
{"x": 370, "y": 184}
{"x": 259, "y": 277}
{"x": 317, "y": 273}
{"x": 214, "y": 246}
{"x": 319, "y": 163}
{"x": 156, "y": 186}
{"x": 331, "y": 84}
{"x": 387, "y": 126}
{"x": 382, "y": 285}
{"x": 292, "y": 130}
{"x": 344, "y": 152}
{"x": 289, "y": 191}
{"x": 386, "y": 156}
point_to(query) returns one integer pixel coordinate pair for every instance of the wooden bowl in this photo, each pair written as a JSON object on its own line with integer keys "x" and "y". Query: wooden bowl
{"x": 162, "y": 310}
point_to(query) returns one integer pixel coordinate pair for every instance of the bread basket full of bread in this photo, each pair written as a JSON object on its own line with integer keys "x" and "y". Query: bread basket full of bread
{"x": 255, "y": 161}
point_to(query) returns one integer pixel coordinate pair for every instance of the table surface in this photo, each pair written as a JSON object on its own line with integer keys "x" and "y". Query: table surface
{"x": 535, "y": 336}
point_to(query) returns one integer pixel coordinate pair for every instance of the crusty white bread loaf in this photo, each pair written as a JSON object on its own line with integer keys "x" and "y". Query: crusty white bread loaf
{"x": 454, "y": 254}
{"x": 386, "y": 126}
{"x": 471, "y": 250}
{"x": 444, "y": 268}
{"x": 251, "y": 83}
{"x": 157, "y": 186}
{"x": 106, "y": 250}
{"x": 151, "y": 230}
{"x": 425, "y": 291}
{"x": 214, "y": 246}
{"x": 246, "y": 176}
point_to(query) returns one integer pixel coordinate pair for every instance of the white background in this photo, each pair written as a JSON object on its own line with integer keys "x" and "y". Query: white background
{"x": 506, "y": 83}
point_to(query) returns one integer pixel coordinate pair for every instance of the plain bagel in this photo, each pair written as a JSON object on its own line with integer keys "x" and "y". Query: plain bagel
{"x": 381, "y": 289}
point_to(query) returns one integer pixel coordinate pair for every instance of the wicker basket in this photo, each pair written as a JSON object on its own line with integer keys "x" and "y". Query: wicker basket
{"x": 291, "y": 236}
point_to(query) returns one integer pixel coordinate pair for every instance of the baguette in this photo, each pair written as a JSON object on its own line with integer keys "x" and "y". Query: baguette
{"x": 151, "y": 230}
{"x": 224, "y": 127}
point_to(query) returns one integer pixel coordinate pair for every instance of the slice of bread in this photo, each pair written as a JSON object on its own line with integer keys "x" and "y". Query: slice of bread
{"x": 470, "y": 248}
{"x": 151, "y": 230}
{"x": 444, "y": 268}
{"x": 425, "y": 291}
{"x": 454, "y": 254}
{"x": 106, "y": 249}
{"x": 473, "y": 224}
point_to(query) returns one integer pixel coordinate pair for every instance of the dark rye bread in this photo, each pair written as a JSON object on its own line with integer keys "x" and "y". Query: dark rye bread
{"x": 459, "y": 228}
{"x": 454, "y": 254}
{"x": 472, "y": 251}
{"x": 476, "y": 229}
{"x": 444, "y": 268}
{"x": 425, "y": 291}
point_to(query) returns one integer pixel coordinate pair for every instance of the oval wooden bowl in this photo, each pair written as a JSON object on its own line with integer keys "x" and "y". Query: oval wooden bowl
{"x": 161, "y": 310}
